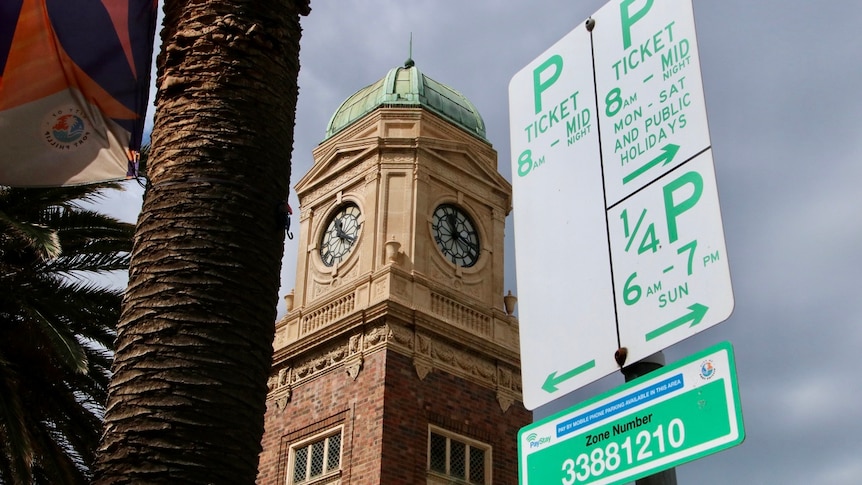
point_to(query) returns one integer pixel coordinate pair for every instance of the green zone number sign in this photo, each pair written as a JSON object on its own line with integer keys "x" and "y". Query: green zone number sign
{"x": 677, "y": 414}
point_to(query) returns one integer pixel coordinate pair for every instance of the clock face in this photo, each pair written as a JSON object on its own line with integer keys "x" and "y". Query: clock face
{"x": 455, "y": 235}
{"x": 340, "y": 235}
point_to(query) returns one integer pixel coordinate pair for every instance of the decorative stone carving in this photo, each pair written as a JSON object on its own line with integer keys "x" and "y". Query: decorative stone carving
{"x": 353, "y": 367}
{"x": 355, "y": 343}
{"x": 380, "y": 287}
{"x": 401, "y": 336}
{"x": 422, "y": 369}
{"x": 505, "y": 378}
{"x": 509, "y": 302}
{"x": 288, "y": 300}
{"x": 464, "y": 363}
{"x": 400, "y": 159}
{"x": 443, "y": 353}
{"x": 485, "y": 369}
{"x": 279, "y": 380}
{"x": 319, "y": 289}
{"x": 375, "y": 336}
{"x": 282, "y": 401}
{"x": 300, "y": 372}
{"x": 423, "y": 344}
{"x": 505, "y": 401}
{"x": 428, "y": 351}
{"x": 319, "y": 363}
{"x": 338, "y": 354}
{"x": 279, "y": 388}
{"x": 391, "y": 249}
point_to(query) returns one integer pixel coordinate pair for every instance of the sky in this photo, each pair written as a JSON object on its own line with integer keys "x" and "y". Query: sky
{"x": 785, "y": 117}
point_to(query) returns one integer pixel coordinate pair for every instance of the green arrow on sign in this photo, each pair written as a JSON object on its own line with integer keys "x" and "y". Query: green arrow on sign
{"x": 551, "y": 382}
{"x": 668, "y": 152}
{"x": 694, "y": 316}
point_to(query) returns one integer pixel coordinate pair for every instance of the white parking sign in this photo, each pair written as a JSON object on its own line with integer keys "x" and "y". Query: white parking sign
{"x": 618, "y": 233}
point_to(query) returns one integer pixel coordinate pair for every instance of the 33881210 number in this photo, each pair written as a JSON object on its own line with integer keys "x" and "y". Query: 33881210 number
{"x": 608, "y": 459}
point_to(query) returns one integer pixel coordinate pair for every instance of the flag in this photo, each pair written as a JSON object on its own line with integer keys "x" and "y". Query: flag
{"x": 74, "y": 83}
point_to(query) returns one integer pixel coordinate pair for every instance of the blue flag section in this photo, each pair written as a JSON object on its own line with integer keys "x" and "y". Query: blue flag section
{"x": 74, "y": 83}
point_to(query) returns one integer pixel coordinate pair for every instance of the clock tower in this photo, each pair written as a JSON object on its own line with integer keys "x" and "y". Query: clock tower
{"x": 397, "y": 362}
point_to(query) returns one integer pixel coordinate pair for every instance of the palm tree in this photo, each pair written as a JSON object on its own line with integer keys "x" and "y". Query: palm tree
{"x": 56, "y": 329}
{"x": 194, "y": 344}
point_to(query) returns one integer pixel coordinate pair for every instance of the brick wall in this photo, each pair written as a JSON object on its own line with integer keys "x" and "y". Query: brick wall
{"x": 385, "y": 413}
{"x": 318, "y": 404}
{"x": 453, "y": 404}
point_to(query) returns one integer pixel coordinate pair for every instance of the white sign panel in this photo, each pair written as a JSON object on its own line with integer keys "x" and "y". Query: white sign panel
{"x": 670, "y": 262}
{"x": 563, "y": 280}
{"x": 652, "y": 111}
{"x": 618, "y": 233}
{"x": 671, "y": 274}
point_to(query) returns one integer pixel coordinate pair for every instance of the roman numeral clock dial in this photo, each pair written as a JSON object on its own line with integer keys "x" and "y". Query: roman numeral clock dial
{"x": 455, "y": 235}
{"x": 340, "y": 235}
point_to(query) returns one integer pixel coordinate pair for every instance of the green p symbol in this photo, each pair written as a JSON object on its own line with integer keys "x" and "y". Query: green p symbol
{"x": 629, "y": 19}
{"x": 539, "y": 85}
{"x": 672, "y": 210}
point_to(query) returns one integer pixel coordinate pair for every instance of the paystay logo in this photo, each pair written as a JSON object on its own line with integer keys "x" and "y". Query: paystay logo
{"x": 535, "y": 441}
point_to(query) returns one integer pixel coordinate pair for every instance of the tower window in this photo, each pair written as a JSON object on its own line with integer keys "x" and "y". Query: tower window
{"x": 453, "y": 458}
{"x": 317, "y": 459}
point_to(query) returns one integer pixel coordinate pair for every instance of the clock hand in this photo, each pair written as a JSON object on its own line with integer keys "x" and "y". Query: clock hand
{"x": 339, "y": 232}
{"x": 473, "y": 249}
{"x": 453, "y": 225}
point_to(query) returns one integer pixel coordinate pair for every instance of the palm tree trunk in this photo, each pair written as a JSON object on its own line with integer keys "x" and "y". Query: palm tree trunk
{"x": 194, "y": 345}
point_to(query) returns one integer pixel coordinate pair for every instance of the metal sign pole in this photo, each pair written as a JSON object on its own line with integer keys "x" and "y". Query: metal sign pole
{"x": 641, "y": 368}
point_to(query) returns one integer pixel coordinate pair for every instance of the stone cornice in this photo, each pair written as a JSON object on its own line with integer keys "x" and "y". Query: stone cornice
{"x": 429, "y": 351}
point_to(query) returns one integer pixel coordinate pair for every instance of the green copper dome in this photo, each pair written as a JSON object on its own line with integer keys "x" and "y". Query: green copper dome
{"x": 408, "y": 87}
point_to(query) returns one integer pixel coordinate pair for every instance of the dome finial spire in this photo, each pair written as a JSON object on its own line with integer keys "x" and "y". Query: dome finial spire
{"x": 409, "y": 62}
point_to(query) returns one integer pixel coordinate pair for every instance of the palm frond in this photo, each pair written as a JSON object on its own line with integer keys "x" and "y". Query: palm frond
{"x": 66, "y": 347}
{"x": 57, "y": 329}
{"x": 42, "y": 239}
{"x": 16, "y": 444}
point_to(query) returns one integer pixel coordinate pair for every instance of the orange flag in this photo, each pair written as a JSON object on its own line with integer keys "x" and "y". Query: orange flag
{"x": 74, "y": 83}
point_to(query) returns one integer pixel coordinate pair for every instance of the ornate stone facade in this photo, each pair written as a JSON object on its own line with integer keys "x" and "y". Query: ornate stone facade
{"x": 429, "y": 352}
